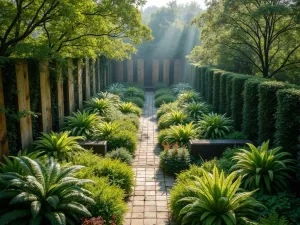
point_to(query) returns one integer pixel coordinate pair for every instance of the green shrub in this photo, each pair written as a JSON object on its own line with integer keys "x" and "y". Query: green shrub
{"x": 273, "y": 219}
{"x": 116, "y": 88}
{"x": 181, "y": 87}
{"x": 188, "y": 97}
{"x": 100, "y": 106}
{"x": 162, "y": 136}
{"x": 112, "y": 98}
{"x": 216, "y": 89}
{"x": 237, "y": 100}
{"x": 132, "y": 118}
{"x": 166, "y": 107}
{"x": 136, "y": 100}
{"x": 229, "y": 93}
{"x": 82, "y": 124}
{"x": 58, "y": 145}
{"x": 202, "y": 80}
{"x": 298, "y": 166}
{"x": 124, "y": 139}
{"x": 164, "y": 99}
{"x": 264, "y": 168}
{"x": 44, "y": 194}
{"x": 214, "y": 126}
{"x": 189, "y": 174}
{"x": 267, "y": 109}
{"x": 205, "y": 206}
{"x": 134, "y": 92}
{"x": 163, "y": 91}
{"x": 180, "y": 134}
{"x": 159, "y": 86}
{"x": 223, "y": 80}
{"x": 121, "y": 154}
{"x": 174, "y": 160}
{"x": 250, "y": 108}
{"x": 106, "y": 129}
{"x": 225, "y": 162}
{"x": 129, "y": 107}
{"x": 288, "y": 119}
{"x": 236, "y": 135}
{"x": 284, "y": 203}
{"x": 209, "y": 89}
{"x": 172, "y": 118}
{"x": 196, "y": 109}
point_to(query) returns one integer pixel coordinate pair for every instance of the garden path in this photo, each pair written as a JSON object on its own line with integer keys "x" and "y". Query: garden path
{"x": 149, "y": 202}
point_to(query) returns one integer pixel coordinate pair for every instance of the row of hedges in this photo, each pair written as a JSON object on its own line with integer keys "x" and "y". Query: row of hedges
{"x": 263, "y": 109}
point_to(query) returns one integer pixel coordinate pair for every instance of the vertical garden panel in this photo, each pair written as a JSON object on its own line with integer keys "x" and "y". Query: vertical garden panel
{"x": 119, "y": 71}
{"x": 79, "y": 74}
{"x": 141, "y": 71}
{"x": 71, "y": 99}
{"x": 98, "y": 75}
{"x": 87, "y": 80}
{"x": 24, "y": 103}
{"x": 155, "y": 71}
{"x": 60, "y": 95}
{"x": 94, "y": 77}
{"x": 177, "y": 71}
{"x": 130, "y": 71}
{"x": 45, "y": 97}
{"x": 166, "y": 72}
{"x": 216, "y": 89}
{"x": 3, "y": 129}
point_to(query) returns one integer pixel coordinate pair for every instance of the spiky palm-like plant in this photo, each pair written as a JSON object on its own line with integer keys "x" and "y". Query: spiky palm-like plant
{"x": 172, "y": 118}
{"x": 58, "y": 145}
{"x": 195, "y": 109}
{"x": 181, "y": 87}
{"x": 188, "y": 97}
{"x": 217, "y": 200}
{"x": 129, "y": 107}
{"x": 112, "y": 98}
{"x": 82, "y": 124}
{"x": 100, "y": 106}
{"x": 44, "y": 194}
{"x": 181, "y": 134}
{"x": 264, "y": 168}
{"x": 215, "y": 126}
{"x": 106, "y": 129}
{"x": 134, "y": 91}
{"x": 116, "y": 88}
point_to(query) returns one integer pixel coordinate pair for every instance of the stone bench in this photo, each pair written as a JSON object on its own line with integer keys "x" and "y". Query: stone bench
{"x": 98, "y": 147}
{"x": 209, "y": 149}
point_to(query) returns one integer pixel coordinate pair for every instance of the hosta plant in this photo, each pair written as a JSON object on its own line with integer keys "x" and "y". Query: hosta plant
{"x": 129, "y": 107}
{"x": 82, "y": 124}
{"x": 181, "y": 134}
{"x": 214, "y": 126}
{"x": 218, "y": 200}
{"x": 196, "y": 109}
{"x": 188, "y": 97}
{"x": 44, "y": 194}
{"x": 172, "y": 118}
{"x": 100, "y": 106}
{"x": 181, "y": 87}
{"x": 58, "y": 145}
{"x": 263, "y": 168}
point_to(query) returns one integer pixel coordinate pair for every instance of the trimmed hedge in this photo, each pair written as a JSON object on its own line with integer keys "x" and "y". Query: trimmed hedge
{"x": 223, "y": 79}
{"x": 228, "y": 94}
{"x": 237, "y": 99}
{"x": 216, "y": 89}
{"x": 209, "y": 85}
{"x": 250, "y": 109}
{"x": 267, "y": 108}
{"x": 203, "y": 81}
{"x": 288, "y": 119}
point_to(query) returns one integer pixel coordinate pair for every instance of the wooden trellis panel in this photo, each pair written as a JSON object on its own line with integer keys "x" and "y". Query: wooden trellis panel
{"x": 45, "y": 97}
{"x": 141, "y": 71}
{"x": 24, "y": 103}
{"x": 166, "y": 71}
{"x": 119, "y": 71}
{"x": 177, "y": 71}
{"x": 130, "y": 71}
{"x": 3, "y": 128}
{"x": 87, "y": 80}
{"x": 60, "y": 96}
{"x": 155, "y": 71}
{"x": 71, "y": 98}
{"x": 79, "y": 75}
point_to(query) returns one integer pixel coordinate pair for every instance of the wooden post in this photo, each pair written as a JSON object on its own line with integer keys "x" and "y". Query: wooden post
{"x": 45, "y": 96}
{"x": 71, "y": 99}
{"x": 94, "y": 77}
{"x": 105, "y": 76}
{"x": 177, "y": 71}
{"x": 120, "y": 71}
{"x": 130, "y": 71}
{"x": 98, "y": 75}
{"x": 155, "y": 71}
{"x": 166, "y": 74}
{"x": 141, "y": 72}
{"x": 3, "y": 128}
{"x": 79, "y": 74}
{"x": 24, "y": 103}
{"x": 87, "y": 80}
{"x": 60, "y": 96}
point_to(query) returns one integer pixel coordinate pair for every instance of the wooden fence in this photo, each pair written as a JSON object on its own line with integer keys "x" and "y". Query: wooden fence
{"x": 148, "y": 72}
{"x": 96, "y": 77}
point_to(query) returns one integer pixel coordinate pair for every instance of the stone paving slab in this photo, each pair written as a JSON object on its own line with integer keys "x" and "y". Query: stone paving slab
{"x": 149, "y": 204}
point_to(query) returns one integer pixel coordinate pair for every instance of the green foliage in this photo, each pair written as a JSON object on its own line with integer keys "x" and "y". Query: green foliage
{"x": 58, "y": 145}
{"x": 180, "y": 134}
{"x": 250, "y": 108}
{"x": 214, "y": 126}
{"x": 267, "y": 109}
{"x": 202, "y": 80}
{"x": 288, "y": 119}
{"x": 236, "y": 135}
{"x": 229, "y": 94}
{"x": 263, "y": 168}
{"x": 196, "y": 109}
{"x": 188, "y": 97}
{"x": 121, "y": 154}
{"x": 225, "y": 162}
{"x": 134, "y": 92}
{"x": 217, "y": 200}
{"x": 159, "y": 86}
{"x": 216, "y": 89}
{"x": 181, "y": 87}
{"x": 82, "y": 124}
{"x": 209, "y": 83}
{"x": 129, "y": 107}
{"x": 45, "y": 194}
{"x": 172, "y": 118}
{"x": 136, "y": 100}
{"x": 273, "y": 219}
{"x": 237, "y": 100}
{"x": 166, "y": 107}
{"x": 106, "y": 129}
{"x": 162, "y": 91}
{"x": 99, "y": 106}
{"x": 112, "y": 98}
{"x": 167, "y": 98}
{"x": 174, "y": 160}
{"x": 223, "y": 80}
{"x": 116, "y": 88}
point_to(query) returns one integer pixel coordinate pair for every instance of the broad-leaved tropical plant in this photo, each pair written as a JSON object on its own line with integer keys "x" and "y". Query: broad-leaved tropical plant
{"x": 264, "y": 168}
{"x": 181, "y": 134}
{"x": 106, "y": 129}
{"x": 195, "y": 109}
{"x": 44, "y": 194}
{"x": 172, "y": 118}
{"x": 101, "y": 106}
